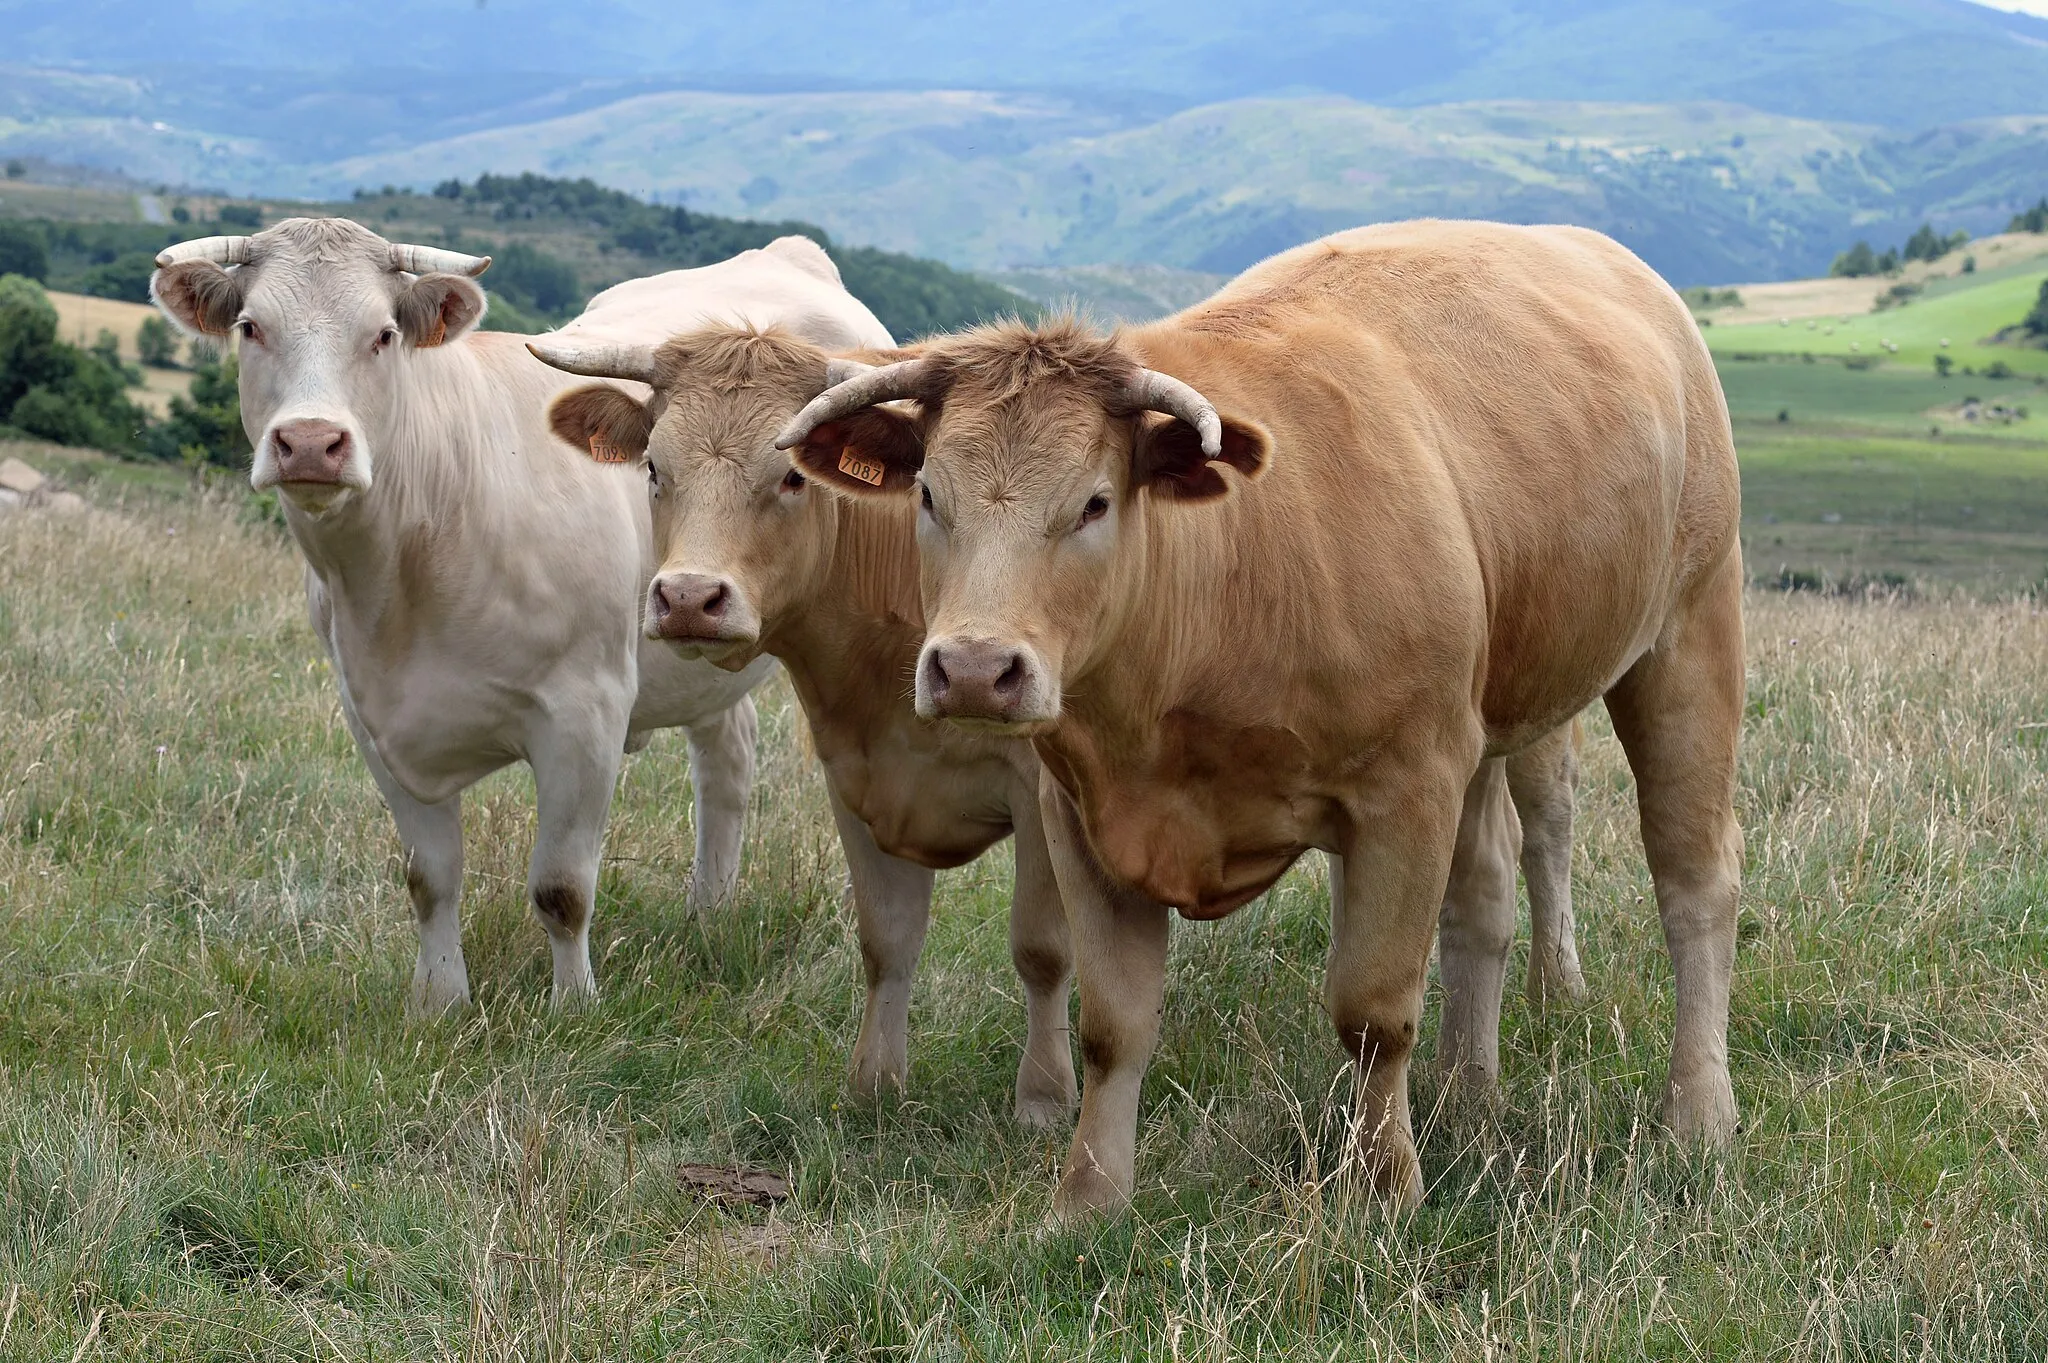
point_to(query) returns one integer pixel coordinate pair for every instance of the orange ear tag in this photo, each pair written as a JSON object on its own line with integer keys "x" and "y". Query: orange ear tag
{"x": 605, "y": 452}
{"x": 853, "y": 466}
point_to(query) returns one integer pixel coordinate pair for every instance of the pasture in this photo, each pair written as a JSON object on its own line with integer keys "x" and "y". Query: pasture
{"x": 222, "y": 1140}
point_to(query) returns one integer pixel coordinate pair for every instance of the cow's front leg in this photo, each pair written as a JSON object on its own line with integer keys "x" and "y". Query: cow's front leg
{"x": 1119, "y": 941}
{"x": 1045, "y": 963}
{"x": 892, "y": 904}
{"x": 1395, "y": 865}
{"x": 722, "y": 777}
{"x": 573, "y": 776}
{"x": 432, "y": 838}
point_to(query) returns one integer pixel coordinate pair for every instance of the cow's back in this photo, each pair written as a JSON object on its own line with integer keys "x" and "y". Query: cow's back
{"x": 1533, "y": 402}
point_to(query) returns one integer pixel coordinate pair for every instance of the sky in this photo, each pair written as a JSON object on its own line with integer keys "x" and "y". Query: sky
{"x": 2039, "y": 7}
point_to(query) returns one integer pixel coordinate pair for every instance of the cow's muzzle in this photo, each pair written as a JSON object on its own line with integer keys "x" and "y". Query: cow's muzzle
{"x": 985, "y": 682}
{"x": 312, "y": 452}
{"x": 700, "y": 612}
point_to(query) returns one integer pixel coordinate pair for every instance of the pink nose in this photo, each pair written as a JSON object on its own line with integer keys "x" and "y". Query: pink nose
{"x": 690, "y": 606}
{"x": 976, "y": 679}
{"x": 311, "y": 451}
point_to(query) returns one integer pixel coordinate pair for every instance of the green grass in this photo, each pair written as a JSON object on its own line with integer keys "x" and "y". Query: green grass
{"x": 1965, "y": 312}
{"x": 220, "y": 1139}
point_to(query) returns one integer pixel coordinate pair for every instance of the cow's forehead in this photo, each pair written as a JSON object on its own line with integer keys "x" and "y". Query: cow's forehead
{"x": 322, "y": 265}
{"x": 1037, "y": 439}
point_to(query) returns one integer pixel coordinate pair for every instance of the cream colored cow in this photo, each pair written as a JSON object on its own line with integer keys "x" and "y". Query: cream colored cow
{"x": 1296, "y": 568}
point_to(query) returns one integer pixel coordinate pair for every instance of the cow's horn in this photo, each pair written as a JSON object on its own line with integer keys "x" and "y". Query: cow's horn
{"x": 219, "y": 250}
{"x": 433, "y": 260}
{"x": 856, "y": 387}
{"x": 617, "y": 361}
{"x": 1153, "y": 391}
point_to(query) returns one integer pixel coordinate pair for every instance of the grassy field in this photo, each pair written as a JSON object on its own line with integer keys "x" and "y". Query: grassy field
{"x": 221, "y": 1140}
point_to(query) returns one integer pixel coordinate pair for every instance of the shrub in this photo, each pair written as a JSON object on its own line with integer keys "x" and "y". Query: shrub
{"x": 15, "y": 170}
{"x": 53, "y": 390}
{"x": 156, "y": 344}
{"x": 2033, "y": 219}
{"x": 241, "y": 215}
{"x": 536, "y": 281}
{"x": 1944, "y": 366}
{"x": 206, "y": 427}
{"x": 22, "y": 251}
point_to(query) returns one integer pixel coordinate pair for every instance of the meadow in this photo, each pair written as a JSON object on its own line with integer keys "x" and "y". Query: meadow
{"x": 222, "y": 1140}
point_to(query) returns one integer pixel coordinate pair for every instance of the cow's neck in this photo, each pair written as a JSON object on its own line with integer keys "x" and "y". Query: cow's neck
{"x": 395, "y": 550}
{"x": 862, "y": 626}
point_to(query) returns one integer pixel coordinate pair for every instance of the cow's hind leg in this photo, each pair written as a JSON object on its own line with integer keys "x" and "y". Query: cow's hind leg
{"x": 1542, "y": 778}
{"x": 1477, "y": 929}
{"x": 722, "y": 775}
{"x": 573, "y": 777}
{"x": 892, "y": 902}
{"x": 1678, "y": 713}
{"x": 1044, "y": 961}
{"x": 1119, "y": 945}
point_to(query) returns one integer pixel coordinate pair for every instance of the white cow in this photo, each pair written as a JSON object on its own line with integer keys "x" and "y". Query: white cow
{"x": 476, "y": 592}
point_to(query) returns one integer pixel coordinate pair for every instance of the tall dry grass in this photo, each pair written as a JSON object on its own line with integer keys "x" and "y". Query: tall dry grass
{"x": 221, "y": 1140}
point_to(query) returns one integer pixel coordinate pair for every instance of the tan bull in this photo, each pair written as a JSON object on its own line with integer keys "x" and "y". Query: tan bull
{"x": 1293, "y": 569}
{"x": 756, "y": 560}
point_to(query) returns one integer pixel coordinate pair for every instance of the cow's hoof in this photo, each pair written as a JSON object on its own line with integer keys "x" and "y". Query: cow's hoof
{"x": 1043, "y": 1111}
{"x": 577, "y": 996}
{"x": 870, "y": 1078}
{"x": 1549, "y": 986}
{"x": 1391, "y": 1167}
{"x": 436, "y": 996}
{"x": 1703, "y": 1112}
{"x": 1087, "y": 1194}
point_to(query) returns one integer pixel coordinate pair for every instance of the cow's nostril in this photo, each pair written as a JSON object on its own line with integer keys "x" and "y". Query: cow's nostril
{"x": 714, "y": 604}
{"x": 1012, "y": 679}
{"x": 662, "y": 605}
{"x": 935, "y": 673}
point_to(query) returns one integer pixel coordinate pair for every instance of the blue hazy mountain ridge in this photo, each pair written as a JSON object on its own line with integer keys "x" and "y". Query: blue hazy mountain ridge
{"x": 1901, "y": 63}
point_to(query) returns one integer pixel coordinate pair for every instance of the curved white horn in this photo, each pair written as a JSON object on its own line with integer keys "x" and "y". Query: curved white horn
{"x": 615, "y": 361}
{"x": 838, "y": 371}
{"x": 219, "y": 250}
{"x": 433, "y": 260}
{"x": 861, "y": 388}
{"x": 1152, "y": 391}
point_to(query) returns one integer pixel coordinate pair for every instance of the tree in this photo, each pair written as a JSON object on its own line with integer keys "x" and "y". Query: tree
{"x": 2033, "y": 219}
{"x": 15, "y": 170}
{"x": 156, "y": 345}
{"x": 22, "y": 251}
{"x": 125, "y": 277}
{"x": 2035, "y": 323}
{"x": 1927, "y": 244}
{"x": 536, "y": 281}
{"x": 241, "y": 215}
{"x": 1855, "y": 263}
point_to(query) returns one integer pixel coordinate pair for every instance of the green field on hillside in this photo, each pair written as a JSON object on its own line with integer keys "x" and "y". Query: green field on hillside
{"x": 1965, "y": 312}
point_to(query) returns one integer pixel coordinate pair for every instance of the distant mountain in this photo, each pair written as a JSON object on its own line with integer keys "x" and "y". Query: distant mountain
{"x": 1706, "y": 192}
{"x": 1902, "y": 63}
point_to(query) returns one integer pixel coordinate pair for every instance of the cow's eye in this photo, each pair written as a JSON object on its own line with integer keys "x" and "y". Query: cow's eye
{"x": 924, "y": 495}
{"x": 385, "y": 340}
{"x": 249, "y": 331}
{"x": 654, "y": 479}
{"x": 1095, "y": 510}
{"x": 793, "y": 481}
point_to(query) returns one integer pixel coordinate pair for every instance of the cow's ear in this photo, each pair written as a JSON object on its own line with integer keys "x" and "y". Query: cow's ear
{"x": 609, "y": 425}
{"x": 872, "y": 451}
{"x": 199, "y": 296}
{"x": 438, "y": 308}
{"x": 1168, "y": 457}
